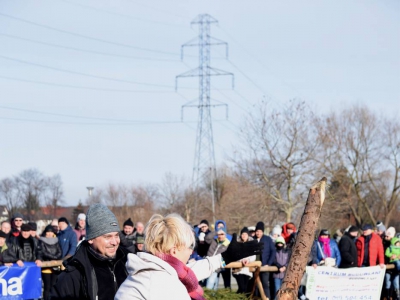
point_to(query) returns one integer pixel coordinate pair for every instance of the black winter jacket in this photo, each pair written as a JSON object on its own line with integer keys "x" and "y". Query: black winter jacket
{"x": 80, "y": 280}
{"x": 33, "y": 253}
{"x": 51, "y": 249}
{"x": 11, "y": 255}
{"x": 348, "y": 251}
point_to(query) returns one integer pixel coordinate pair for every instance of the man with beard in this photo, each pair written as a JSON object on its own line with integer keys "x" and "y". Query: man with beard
{"x": 347, "y": 248}
{"x": 97, "y": 268}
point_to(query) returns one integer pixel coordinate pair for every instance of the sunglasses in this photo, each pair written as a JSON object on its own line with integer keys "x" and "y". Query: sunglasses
{"x": 221, "y": 233}
{"x": 18, "y": 220}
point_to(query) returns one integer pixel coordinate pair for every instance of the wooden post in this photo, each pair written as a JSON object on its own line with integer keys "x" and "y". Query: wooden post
{"x": 304, "y": 241}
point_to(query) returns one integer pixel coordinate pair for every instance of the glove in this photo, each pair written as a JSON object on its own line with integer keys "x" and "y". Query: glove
{"x": 237, "y": 251}
{"x": 202, "y": 235}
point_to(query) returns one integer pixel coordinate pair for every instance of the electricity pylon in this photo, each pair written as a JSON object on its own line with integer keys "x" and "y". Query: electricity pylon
{"x": 204, "y": 168}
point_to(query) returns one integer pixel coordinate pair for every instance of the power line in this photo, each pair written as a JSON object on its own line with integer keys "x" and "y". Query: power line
{"x": 83, "y": 74}
{"x": 82, "y": 87}
{"x": 159, "y": 9}
{"x": 72, "y": 116}
{"x": 85, "y": 36}
{"x": 91, "y": 123}
{"x": 120, "y": 15}
{"x": 84, "y": 50}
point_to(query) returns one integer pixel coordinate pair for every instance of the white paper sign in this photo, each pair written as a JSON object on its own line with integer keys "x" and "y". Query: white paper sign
{"x": 327, "y": 283}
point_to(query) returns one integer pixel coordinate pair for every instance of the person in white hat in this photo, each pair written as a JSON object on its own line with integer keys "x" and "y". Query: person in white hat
{"x": 80, "y": 227}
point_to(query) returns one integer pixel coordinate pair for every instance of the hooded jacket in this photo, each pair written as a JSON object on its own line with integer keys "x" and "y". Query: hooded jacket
{"x": 151, "y": 278}
{"x": 79, "y": 280}
{"x": 393, "y": 250}
{"x": 375, "y": 250}
{"x": 348, "y": 251}
{"x": 228, "y": 236}
{"x": 285, "y": 234}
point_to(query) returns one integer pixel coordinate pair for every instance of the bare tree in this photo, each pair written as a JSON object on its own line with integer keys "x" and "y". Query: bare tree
{"x": 9, "y": 195}
{"x": 361, "y": 151}
{"x": 55, "y": 193}
{"x": 281, "y": 145}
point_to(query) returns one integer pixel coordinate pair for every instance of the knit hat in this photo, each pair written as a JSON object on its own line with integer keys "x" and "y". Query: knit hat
{"x": 260, "y": 226}
{"x": 277, "y": 230}
{"x": 203, "y": 223}
{"x": 380, "y": 226}
{"x": 251, "y": 228}
{"x": 140, "y": 240}
{"x": 81, "y": 216}
{"x": 100, "y": 220}
{"x": 281, "y": 240}
{"x": 244, "y": 229}
{"x": 391, "y": 232}
{"x": 290, "y": 226}
{"x": 26, "y": 227}
{"x": 367, "y": 227}
{"x": 48, "y": 228}
{"x": 353, "y": 229}
{"x": 63, "y": 219}
{"x": 222, "y": 229}
{"x": 3, "y": 234}
{"x": 33, "y": 225}
{"x": 128, "y": 223}
{"x": 324, "y": 232}
{"x": 17, "y": 215}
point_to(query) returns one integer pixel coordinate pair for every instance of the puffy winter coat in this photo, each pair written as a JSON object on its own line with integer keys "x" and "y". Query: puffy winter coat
{"x": 375, "y": 250}
{"x": 51, "y": 250}
{"x": 393, "y": 250}
{"x": 151, "y": 278}
{"x": 317, "y": 255}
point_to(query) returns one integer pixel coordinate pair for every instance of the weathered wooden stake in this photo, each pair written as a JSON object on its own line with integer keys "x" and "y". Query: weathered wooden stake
{"x": 304, "y": 241}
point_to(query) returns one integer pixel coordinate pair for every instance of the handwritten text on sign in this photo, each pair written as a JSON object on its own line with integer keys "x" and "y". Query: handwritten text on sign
{"x": 327, "y": 283}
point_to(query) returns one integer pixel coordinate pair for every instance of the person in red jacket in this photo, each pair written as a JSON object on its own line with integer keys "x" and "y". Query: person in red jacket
{"x": 369, "y": 249}
{"x": 287, "y": 230}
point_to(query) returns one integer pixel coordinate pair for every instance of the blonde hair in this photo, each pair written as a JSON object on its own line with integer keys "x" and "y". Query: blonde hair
{"x": 164, "y": 233}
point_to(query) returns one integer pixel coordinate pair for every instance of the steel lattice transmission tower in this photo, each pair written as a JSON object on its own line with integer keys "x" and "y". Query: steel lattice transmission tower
{"x": 204, "y": 168}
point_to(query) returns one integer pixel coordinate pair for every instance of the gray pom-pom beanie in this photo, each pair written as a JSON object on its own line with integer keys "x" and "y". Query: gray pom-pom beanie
{"x": 100, "y": 220}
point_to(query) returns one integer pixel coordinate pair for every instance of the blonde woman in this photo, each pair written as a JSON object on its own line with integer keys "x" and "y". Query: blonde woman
{"x": 161, "y": 271}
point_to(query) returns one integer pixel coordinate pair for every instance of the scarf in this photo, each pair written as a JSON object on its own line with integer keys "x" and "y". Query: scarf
{"x": 325, "y": 242}
{"x": 185, "y": 275}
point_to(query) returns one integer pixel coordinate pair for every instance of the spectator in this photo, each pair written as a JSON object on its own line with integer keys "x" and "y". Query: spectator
{"x": 243, "y": 275}
{"x": 54, "y": 224}
{"x": 6, "y": 228}
{"x": 128, "y": 230}
{"x": 51, "y": 250}
{"x": 29, "y": 245}
{"x": 287, "y": 230}
{"x": 97, "y": 269}
{"x": 281, "y": 262}
{"x": 217, "y": 246}
{"x": 325, "y": 248}
{"x": 80, "y": 227}
{"x": 252, "y": 231}
{"x": 275, "y": 232}
{"x": 9, "y": 253}
{"x": 369, "y": 248}
{"x": 162, "y": 273}
{"x": 202, "y": 246}
{"x": 380, "y": 229}
{"x": 139, "y": 244}
{"x": 16, "y": 222}
{"x": 33, "y": 230}
{"x": 391, "y": 275}
{"x": 226, "y": 273}
{"x": 393, "y": 253}
{"x": 267, "y": 256}
{"x": 347, "y": 248}
{"x": 66, "y": 238}
{"x": 139, "y": 231}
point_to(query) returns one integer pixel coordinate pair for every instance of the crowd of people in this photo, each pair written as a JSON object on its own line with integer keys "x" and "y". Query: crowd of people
{"x": 99, "y": 261}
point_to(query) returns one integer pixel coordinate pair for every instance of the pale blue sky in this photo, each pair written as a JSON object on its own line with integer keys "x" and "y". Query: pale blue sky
{"x": 329, "y": 53}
